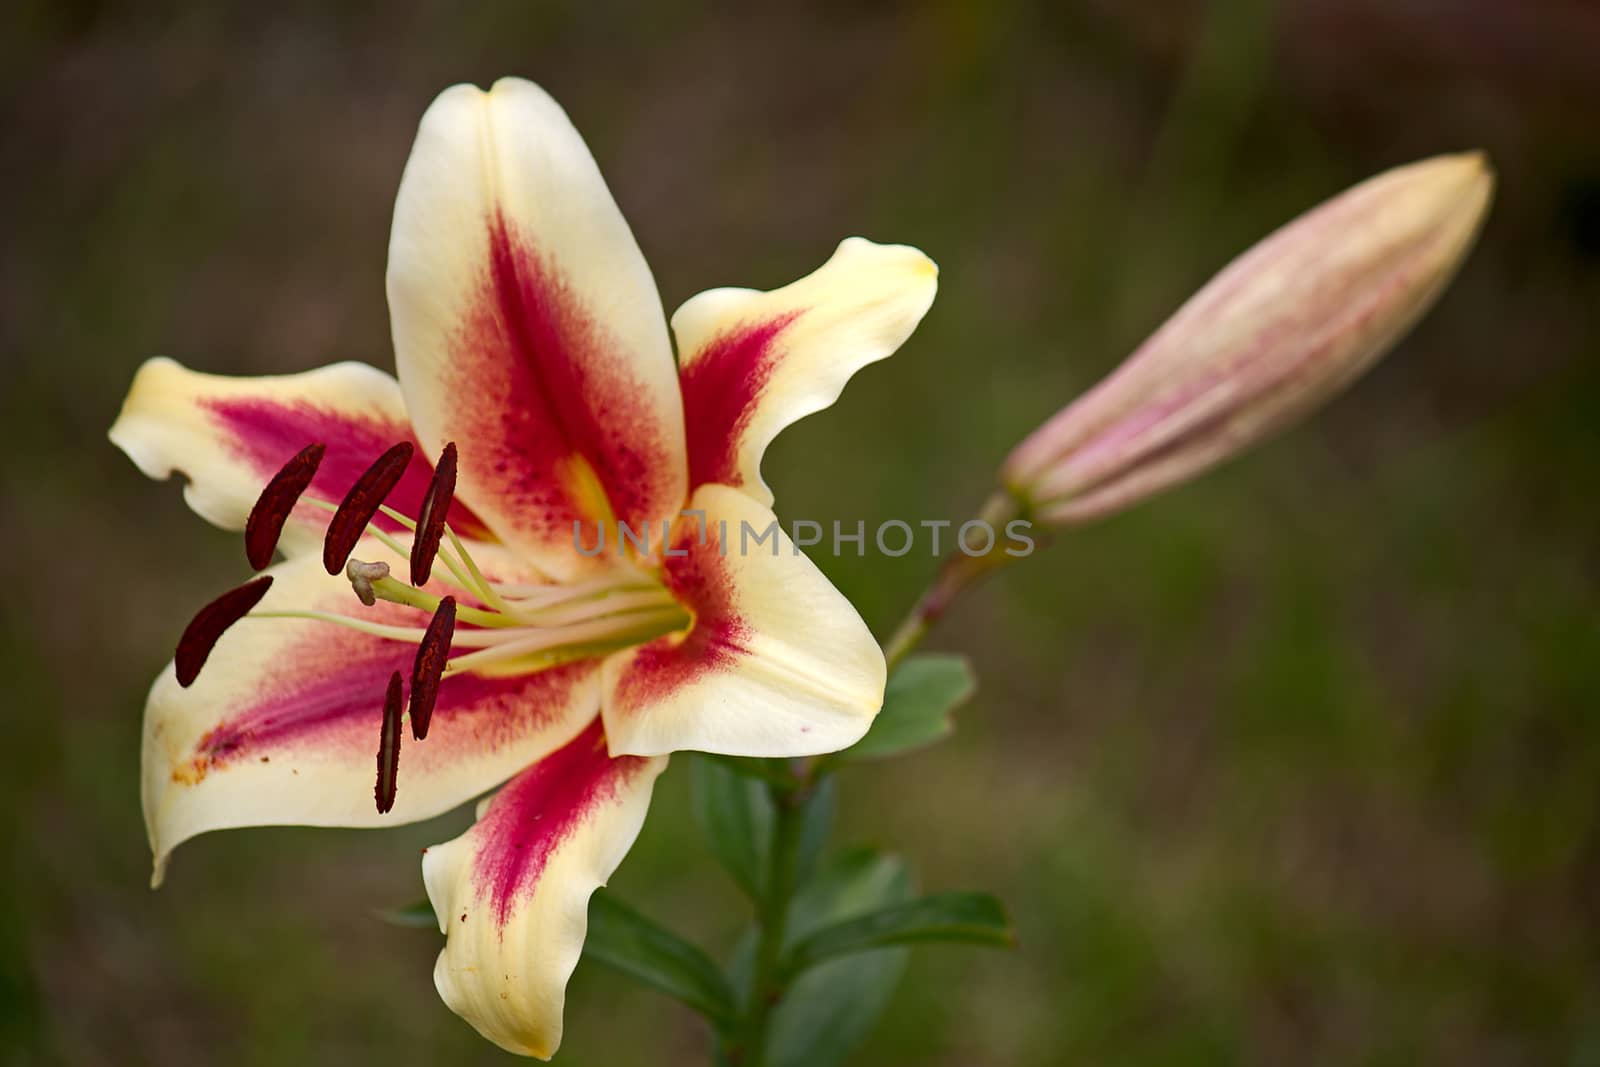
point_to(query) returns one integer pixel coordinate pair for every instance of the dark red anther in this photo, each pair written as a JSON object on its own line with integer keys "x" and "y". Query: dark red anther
{"x": 212, "y": 621}
{"x": 389, "y": 747}
{"x": 265, "y": 524}
{"x": 430, "y": 521}
{"x": 361, "y": 503}
{"x": 429, "y": 665}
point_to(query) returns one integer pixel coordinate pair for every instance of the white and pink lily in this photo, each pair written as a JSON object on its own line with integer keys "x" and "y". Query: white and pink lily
{"x": 534, "y": 357}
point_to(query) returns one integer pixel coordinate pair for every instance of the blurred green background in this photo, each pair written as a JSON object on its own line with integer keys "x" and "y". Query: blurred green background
{"x": 1298, "y": 764}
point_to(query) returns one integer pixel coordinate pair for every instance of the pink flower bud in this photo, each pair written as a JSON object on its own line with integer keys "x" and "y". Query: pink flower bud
{"x": 1282, "y": 328}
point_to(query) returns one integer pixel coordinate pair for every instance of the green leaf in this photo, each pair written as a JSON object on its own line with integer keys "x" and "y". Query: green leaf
{"x": 655, "y": 956}
{"x": 973, "y": 918}
{"x": 735, "y": 815}
{"x": 816, "y": 825}
{"x": 921, "y": 694}
{"x": 857, "y": 881}
{"x": 831, "y": 1008}
{"x": 418, "y": 914}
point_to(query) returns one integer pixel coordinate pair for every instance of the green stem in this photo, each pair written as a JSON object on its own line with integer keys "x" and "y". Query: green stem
{"x": 958, "y": 572}
{"x": 767, "y": 979}
{"x": 745, "y": 1044}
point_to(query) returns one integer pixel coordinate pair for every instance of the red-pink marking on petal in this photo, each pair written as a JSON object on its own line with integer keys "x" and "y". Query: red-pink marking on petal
{"x": 701, "y": 582}
{"x": 721, "y": 387}
{"x": 538, "y": 383}
{"x": 538, "y": 810}
{"x": 264, "y": 433}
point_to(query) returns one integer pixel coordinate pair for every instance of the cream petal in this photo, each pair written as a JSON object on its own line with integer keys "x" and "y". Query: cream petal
{"x": 512, "y": 893}
{"x": 755, "y": 362}
{"x": 527, "y": 327}
{"x": 777, "y": 662}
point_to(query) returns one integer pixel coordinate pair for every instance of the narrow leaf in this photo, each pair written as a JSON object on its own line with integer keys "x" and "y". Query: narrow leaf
{"x": 917, "y": 706}
{"x": 735, "y": 815}
{"x": 830, "y": 1009}
{"x": 655, "y": 956}
{"x": 974, "y": 918}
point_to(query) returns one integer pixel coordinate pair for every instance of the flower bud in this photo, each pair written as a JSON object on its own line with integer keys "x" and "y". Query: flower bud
{"x": 1282, "y": 328}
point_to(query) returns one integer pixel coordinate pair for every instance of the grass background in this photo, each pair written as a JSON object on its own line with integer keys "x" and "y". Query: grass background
{"x": 1298, "y": 764}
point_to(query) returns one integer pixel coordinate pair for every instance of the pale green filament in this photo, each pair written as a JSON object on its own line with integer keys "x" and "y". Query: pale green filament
{"x": 613, "y": 604}
{"x": 618, "y": 632}
{"x": 490, "y": 596}
{"x": 408, "y": 634}
{"x": 525, "y": 597}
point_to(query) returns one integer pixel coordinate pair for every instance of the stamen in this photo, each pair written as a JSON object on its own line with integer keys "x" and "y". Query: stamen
{"x": 395, "y": 546}
{"x": 362, "y": 575}
{"x": 212, "y": 621}
{"x": 430, "y": 520}
{"x": 462, "y": 581}
{"x": 429, "y": 666}
{"x": 362, "y": 503}
{"x": 389, "y": 747}
{"x": 265, "y": 524}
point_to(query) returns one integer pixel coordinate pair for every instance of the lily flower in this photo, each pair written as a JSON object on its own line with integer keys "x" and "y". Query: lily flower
{"x": 533, "y": 358}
